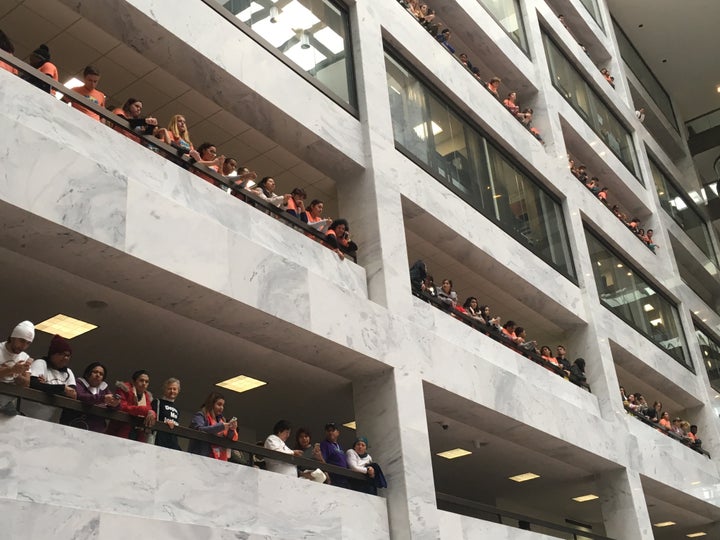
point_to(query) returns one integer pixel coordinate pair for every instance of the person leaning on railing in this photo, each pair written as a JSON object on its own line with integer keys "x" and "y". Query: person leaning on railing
{"x": 338, "y": 238}
{"x": 136, "y": 401}
{"x": 210, "y": 419}
{"x": 52, "y": 375}
{"x": 15, "y": 362}
{"x": 92, "y": 389}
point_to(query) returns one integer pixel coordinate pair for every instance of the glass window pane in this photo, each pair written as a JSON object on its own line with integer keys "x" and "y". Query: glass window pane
{"x": 507, "y": 13}
{"x": 594, "y": 10}
{"x": 710, "y": 348}
{"x": 627, "y": 294}
{"x": 583, "y": 98}
{"x": 684, "y": 212}
{"x": 315, "y": 34}
{"x": 456, "y": 154}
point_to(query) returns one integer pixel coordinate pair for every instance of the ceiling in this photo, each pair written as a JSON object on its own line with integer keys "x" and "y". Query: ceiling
{"x": 677, "y": 40}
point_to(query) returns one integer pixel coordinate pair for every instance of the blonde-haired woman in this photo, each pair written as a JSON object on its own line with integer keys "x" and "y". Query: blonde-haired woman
{"x": 177, "y": 133}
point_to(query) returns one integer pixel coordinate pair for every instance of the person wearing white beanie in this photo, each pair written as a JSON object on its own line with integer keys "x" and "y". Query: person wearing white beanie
{"x": 15, "y": 362}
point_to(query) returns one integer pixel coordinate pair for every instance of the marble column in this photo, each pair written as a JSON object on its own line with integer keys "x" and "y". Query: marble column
{"x": 370, "y": 200}
{"x": 624, "y": 509}
{"x": 390, "y": 411}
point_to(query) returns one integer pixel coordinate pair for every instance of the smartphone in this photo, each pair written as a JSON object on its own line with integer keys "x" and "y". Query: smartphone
{"x": 233, "y": 419}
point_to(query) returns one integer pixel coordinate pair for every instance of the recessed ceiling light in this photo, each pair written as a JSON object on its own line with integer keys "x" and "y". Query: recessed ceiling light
{"x": 351, "y": 425}
{"x": 585, "y": 498}
{"x": 664, "y": 524}
{"x": 648, "y": 307}
{"x": 718, "y": 89}
{"x": 524, "y": 477}
{"x": 455, "y": 453}
{"x": 696, "y": 535}
{"x": 66, "y": 326}
{"x": 241, "y": 383}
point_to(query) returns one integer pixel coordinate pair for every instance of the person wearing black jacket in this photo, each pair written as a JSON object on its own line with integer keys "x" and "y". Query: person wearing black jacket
{"x": 168, "y": 414}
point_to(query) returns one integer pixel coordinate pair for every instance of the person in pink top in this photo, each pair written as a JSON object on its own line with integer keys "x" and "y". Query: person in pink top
{"x": 91, "y": 77}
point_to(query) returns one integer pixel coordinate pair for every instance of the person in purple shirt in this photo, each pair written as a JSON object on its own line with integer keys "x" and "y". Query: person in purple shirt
{"x": 333, "y": 454}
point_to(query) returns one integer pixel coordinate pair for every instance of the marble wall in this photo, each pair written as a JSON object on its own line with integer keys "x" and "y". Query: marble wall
{"x": 59, "y": 482}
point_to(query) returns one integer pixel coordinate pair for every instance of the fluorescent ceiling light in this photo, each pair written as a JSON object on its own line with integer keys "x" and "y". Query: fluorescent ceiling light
{"x": 247, "y": 13}
{"x": 697, "y": 534}
{"x": 73, "y": 83}
{"x": 307, "y": 58}
{"x": 664, "y": 524}
{"x": 421, "y": 130}
{"x": 455, "y": 453}
{"x": 648, "y": 307}
{"x": 524, "y": 477}
{"x": 241, "y": 383}
{"x": 328, "y": 37}
{"x": 298, "y": 16}
{"x": 585, "y": 498}
{"x": 351, "y": 425}
{"x": 655, "y": 322}
{"x": 696, "y": 482}
{"x": 67, "y": 327}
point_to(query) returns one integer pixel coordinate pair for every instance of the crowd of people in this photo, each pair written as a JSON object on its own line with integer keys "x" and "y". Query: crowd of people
{"x": 509, "y": 333}
{"x": 428, "y": 18}
{"x": 236, "y": 179}
{"x": 593, "y": 184}
{"x": 678, "y": 428}
{"x": 52, "y": 375}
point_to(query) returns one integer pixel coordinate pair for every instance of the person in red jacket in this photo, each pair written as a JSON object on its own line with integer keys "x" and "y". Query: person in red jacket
{"x": 136, "y": 401}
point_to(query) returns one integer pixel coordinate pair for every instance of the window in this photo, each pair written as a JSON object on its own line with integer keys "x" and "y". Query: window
{"x": 710, "y": 348}
{"x": 586, "y": 101}
{"x": 594, "y": 10}
{"x": 632, "y": 298}
{"x": 314, "y": 34}
{"x": 435, "y": 136}
{"x": 683, "y": 211}
{"x": 646, "y": 77}
{"x": 508, "y": 15}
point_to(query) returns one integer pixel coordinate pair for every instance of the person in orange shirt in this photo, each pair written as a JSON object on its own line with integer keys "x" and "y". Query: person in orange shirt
{"x": 40, "y": 60}
{"x": 91, "y": 77}
{"x": 665, "y": 420}
{"x": 7, "y": 46}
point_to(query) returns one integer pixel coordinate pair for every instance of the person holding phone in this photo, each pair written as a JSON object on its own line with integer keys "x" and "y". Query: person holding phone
{"x": 276, "y": 441}
{"x": 210, "y": 419}
{"x": 15, "y": 362}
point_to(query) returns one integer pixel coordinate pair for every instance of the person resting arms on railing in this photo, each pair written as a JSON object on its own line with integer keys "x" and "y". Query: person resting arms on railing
{"x": 359, "y": 460}
{"x": 277, "y": 441}
{"x": 472, "y": 309}
{"x": 210, "y": 419}
{"x": 295, "y": 205}
{"x": 7, "y": 46}
{"x": 177, "y": 135}
{"x": 338, "y": 238}
{"x": 418, "y": 273}
{"x": 209, "y": 157}
{"x": 577, "y": 373}
{"x": 546, "y": 354}
{"x": 266, "y": 190}
{"x": 132, "y": 112}
{"x": 135, "y": 400}
{"x": 665, "y": 421}
{"x": 333, "y": 454}
{"x": 91, "y": 389}
{"x": 490, "y": 320}
{"x": 508, "y": 331}
{"x": 15, "y": 362}
{"x": 52, "y": 375}
{"x": 40, "y": 60}
{"x": 446, "y": 295}
{"x": 309, "y": 450}
{"x": 313, "y": 216}
{"x": 167, "y": 413}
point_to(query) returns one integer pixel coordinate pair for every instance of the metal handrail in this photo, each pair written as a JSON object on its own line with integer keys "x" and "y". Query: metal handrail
{"x": 169, "y": 152}
{"x": 492, "y": 333}
{"x": 645, "y": 420}
{"x": 66, "y": 403}
{"x": 444, "y": 497}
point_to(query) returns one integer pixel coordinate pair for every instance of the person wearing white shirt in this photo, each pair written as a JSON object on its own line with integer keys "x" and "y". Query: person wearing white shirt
{"x": 276, "y": 441}
{"x": 52, "y": 376}
{"x": 640, "y": 114}
{"x": 15, "y": 362}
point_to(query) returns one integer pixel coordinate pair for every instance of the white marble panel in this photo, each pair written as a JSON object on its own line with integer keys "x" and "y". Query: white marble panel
{"x": 92, "y": 484}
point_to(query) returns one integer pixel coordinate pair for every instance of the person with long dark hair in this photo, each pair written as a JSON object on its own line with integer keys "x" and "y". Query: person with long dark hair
{"x": 210, "y": 419}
